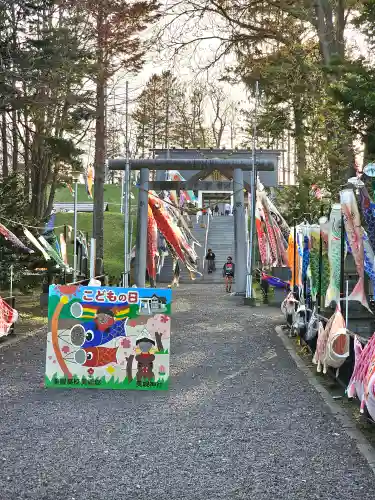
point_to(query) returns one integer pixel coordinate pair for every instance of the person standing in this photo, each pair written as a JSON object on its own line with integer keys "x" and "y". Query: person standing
{"x": 228, "y": 274}
{"x": 210, "y": 257}
{"x": 216, "y": 210}
{"x": 227, "y": 209}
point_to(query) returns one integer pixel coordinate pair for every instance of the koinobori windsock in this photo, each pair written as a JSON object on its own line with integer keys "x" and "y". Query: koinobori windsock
{"x": 334, "y": 255}
{"x": 368, "y": 210}
{"x": 354, "y": 231}
{"x": 176, "y": 236}
{"x": 152, "y": 244}
{"x": 12, "y": 238}
{"x": 314, "y": 259}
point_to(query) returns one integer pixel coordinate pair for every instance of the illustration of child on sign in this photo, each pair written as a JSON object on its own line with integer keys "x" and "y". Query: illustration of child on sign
{"x": 102, "y": 329}
{"x": 145, "y": 346}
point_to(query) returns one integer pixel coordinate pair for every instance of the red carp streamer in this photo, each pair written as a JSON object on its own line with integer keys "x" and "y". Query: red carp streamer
{"x": 152, "y": 239}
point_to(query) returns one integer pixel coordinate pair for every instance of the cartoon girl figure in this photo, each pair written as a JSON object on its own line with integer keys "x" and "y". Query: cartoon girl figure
{"x": 145, "y": 357}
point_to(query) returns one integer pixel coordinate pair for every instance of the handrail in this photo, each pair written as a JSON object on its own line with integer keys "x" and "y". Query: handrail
{"x": 206, "y": 241}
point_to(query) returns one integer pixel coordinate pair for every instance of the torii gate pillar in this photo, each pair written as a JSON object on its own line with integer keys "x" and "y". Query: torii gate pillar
{"x": 240, "y": 232}
{"x": 141, "y": 241}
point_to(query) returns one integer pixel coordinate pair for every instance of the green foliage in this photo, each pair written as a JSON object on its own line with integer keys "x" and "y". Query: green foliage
{"x": 355, "y": 90}
{"x": 298, "y": 201}
{"x": 13, "y": 207}
{"x": 44, "y": 103}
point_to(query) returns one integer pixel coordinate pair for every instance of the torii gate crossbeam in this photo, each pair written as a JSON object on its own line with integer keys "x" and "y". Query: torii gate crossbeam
{"x": 238, "y": 165}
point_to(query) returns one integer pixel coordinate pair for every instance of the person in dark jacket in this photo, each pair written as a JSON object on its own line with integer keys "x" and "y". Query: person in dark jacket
{"x": 228, "y": 274}
{"x": 210, "y": 257}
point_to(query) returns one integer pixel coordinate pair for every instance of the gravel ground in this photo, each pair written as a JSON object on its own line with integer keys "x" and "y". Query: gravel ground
{"x": 240, "y": 422}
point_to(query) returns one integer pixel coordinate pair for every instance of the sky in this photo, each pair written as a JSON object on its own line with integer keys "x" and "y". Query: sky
{"x": 187, "y": 67}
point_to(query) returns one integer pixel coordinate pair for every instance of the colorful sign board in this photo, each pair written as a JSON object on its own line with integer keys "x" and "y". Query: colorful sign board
{"x": 369, "y": 170}
{"x": 108, "y": 338}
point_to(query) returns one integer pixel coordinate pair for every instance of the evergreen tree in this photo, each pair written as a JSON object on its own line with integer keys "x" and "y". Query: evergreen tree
{"x": 113, "y": 28}
{"x": 154, "y": 113}
{"x": 44, "y": 66}
{"x": 13, "y": 208}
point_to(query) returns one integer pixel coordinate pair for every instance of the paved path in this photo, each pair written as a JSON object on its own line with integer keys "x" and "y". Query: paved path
{"x": 240, "y": 422}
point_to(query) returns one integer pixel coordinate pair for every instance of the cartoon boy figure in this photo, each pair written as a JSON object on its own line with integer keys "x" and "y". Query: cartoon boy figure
{"x": 102, "y": 329}
{"x": 145, "y": 358}
{"x": 104, "y": 319}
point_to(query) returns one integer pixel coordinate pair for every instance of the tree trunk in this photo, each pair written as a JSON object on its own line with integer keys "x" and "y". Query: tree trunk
{"x": 14, "y": 83}
{"x": 129, "y": 366}
{"x": 4, "y": 144}
{"x": 330, "y": 27}
{"x": 159, "y": 342}
{"x": 325, "y": 31}
{"x": 340, "y": 27}
{"x": 38, "y": 168}
{"x": 26, "y": 157}
{"x": 14, "y": 142}
{"x": 36, "y": 193}
{"x": 299, "y": 138}
{"x": 52, "y": 192}
{"x": 100, "y": 132}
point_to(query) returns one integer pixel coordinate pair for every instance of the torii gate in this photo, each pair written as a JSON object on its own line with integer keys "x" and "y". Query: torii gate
{"x": 238, "y": 165}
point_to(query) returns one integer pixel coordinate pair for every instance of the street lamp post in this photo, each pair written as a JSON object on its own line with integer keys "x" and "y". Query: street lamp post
{"x": 126, "y": 195}
{"x": 75, "y": 177}
{"x": 250, "y": 265}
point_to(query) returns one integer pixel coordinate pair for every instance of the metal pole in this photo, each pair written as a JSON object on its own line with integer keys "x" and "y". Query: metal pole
{"x": 288, "y": 160}
{"x": 347, "y": 304}
{"x": 319, "y": 294}
{"x": 75, "y": 231}
{"x": 126, "y": 193}
{"x": 92, "y": 257}
{"x": 122, "y": 191}
{"x": 11, "y": 280}
{"x": 294, "y": 253}
{"x": 342, "y": 259}
{"x": 249, "y": 287}
{"x": 65, "y": 239}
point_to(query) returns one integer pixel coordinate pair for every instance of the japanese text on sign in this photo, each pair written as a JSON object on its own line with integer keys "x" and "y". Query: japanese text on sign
{"x": 105, "y": 296}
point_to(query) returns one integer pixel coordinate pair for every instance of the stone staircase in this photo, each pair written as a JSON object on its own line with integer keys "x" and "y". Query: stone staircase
{"x": 221, "y": 241}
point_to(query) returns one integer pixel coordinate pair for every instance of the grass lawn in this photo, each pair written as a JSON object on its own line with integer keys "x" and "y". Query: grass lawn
{"x": 112, "y": 196}
{"x": 113, "y": 237}
{"x": 113, "y": 224}
{"x": 31, "y": 316}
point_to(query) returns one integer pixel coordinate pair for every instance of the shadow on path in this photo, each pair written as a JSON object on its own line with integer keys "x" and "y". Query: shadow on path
{"x": 239, "y": 422}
